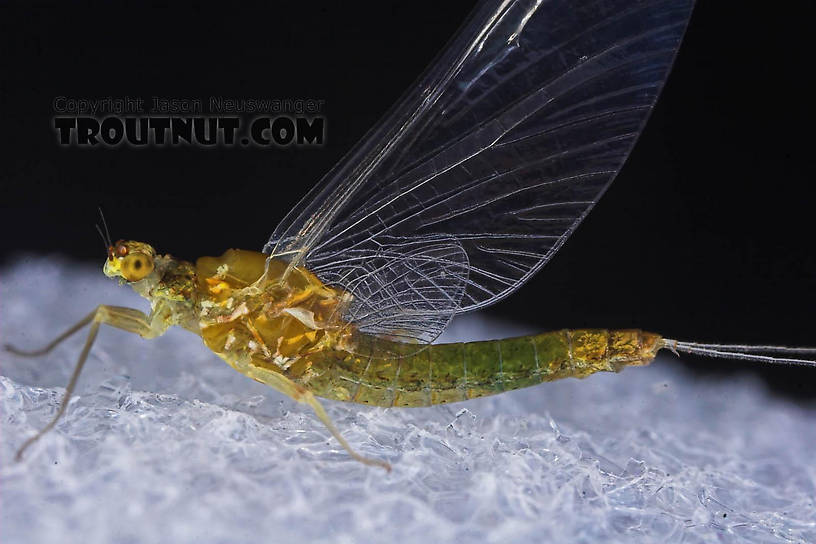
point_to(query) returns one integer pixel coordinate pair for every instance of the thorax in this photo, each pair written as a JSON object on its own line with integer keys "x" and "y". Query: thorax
{"x": 250, "y": 314}
{"x": 173, "y": 292}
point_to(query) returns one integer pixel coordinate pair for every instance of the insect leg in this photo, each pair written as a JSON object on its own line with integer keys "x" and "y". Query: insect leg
{"x": 57, "y": 340}
{"x": 299, "y": 393}
{"x": 68, "y": 390}
{"x": 310, "y": 399}
{"x": 126, "y": 319}
{"x": 116, "y": 316}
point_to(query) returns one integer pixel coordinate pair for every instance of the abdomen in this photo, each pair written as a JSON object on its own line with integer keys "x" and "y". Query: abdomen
{"x": 443, "y": 373}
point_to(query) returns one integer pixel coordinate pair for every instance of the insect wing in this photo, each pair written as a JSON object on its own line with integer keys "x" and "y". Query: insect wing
{"x": 501, "y": 149}
{"x": 407, "y": 291}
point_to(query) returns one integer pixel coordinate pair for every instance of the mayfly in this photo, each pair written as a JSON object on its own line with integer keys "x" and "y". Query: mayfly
{"x": 466, "y": 188}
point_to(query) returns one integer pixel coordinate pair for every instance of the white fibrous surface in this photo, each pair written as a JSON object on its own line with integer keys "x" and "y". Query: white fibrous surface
{"x": 166, "y": 443}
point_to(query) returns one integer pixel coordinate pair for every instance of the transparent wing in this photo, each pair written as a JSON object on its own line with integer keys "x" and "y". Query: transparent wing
{"x": 408, "y": 289}
{"x": 501, "y": 148}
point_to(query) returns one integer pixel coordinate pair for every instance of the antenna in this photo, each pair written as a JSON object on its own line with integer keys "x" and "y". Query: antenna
{"x": 104, "y": 240}
{"x": 108, "y": 240}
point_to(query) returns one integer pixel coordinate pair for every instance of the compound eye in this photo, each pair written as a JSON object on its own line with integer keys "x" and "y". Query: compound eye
{"x": 136, "y": 266}
{"x": 121, "y": 249}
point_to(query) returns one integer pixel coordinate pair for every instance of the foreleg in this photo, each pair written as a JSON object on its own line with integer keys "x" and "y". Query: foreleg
{"x": 127, "y": 319}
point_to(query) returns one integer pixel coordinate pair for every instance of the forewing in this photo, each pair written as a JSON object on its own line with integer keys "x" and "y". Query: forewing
{"x": 502, "y": 147}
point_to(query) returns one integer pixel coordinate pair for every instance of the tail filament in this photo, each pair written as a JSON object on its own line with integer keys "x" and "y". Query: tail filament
{"x": 759, "y": 354}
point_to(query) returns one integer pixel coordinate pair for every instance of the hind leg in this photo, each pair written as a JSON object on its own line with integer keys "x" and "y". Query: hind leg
{"x": 299, "y": 393}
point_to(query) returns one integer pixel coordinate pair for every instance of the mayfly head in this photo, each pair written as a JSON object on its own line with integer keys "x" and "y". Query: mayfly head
{"x": 132, "y": 261}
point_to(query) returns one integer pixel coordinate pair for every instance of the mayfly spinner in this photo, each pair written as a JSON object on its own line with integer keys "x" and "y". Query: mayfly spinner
{"x": 460, "y": 194}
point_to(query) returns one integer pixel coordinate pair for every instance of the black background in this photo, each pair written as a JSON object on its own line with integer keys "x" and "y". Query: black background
{"x": 705, "y": 235}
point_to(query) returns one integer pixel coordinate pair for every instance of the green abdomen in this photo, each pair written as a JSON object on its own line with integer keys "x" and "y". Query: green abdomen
{"x": 443, "y": 373}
